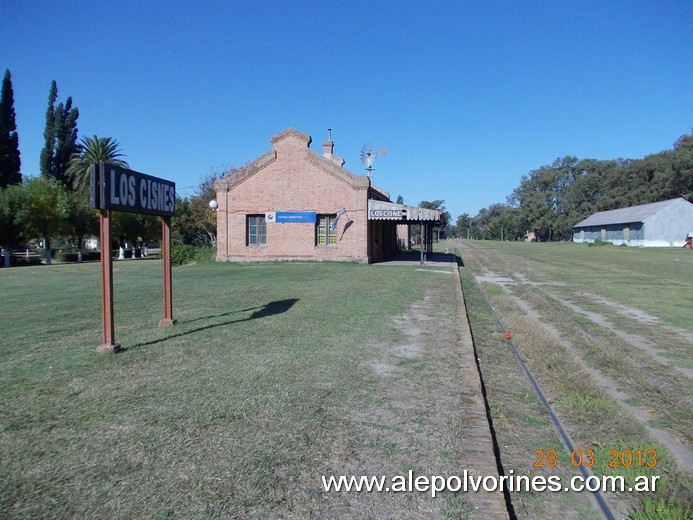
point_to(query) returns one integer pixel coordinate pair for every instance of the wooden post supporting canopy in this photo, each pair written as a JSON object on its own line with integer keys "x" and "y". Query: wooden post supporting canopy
{"x": 422, "y": 232}
{"x": 167, "y": 320}
{"x": 108, "y": 325}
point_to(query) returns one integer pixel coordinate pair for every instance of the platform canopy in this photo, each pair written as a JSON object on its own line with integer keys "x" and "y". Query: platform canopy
{"x": 381, "y": 210}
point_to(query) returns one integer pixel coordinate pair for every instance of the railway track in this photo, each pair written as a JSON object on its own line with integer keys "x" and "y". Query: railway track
{"x": 532, "y": 297}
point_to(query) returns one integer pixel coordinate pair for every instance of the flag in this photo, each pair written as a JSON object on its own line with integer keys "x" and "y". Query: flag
{"x": 336, "y": 219}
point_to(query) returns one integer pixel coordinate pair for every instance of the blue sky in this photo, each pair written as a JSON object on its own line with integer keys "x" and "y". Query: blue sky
{"x": 465, "y": 96}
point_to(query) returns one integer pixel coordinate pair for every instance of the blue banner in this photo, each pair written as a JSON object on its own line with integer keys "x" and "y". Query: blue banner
{"x": 295, "y": 217}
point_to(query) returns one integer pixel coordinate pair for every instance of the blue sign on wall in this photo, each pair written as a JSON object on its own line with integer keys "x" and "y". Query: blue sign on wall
{"x": 295, "y": 217}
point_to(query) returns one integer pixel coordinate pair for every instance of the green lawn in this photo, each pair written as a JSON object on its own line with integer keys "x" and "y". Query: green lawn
{"x": 277, "y": 374}
{"x": 237, "y": 410}
{"x": 655, "y": 280}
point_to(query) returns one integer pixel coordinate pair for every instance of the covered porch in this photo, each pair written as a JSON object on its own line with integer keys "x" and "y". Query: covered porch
{"x": 383, "y": 219}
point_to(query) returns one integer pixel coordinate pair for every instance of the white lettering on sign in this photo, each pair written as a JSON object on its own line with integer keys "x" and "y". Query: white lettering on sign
{"x": 114, "y": 193}
{"x": 386, "y": 213}
{"x": 153, "y": 195}
{"x": 131, "y": 191}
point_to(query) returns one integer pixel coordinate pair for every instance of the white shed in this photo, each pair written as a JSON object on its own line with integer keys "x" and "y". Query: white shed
{"x": 659, "y": 224}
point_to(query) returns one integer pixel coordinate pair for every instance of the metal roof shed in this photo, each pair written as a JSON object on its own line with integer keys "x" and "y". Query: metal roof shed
{"x": 658, "y": 224}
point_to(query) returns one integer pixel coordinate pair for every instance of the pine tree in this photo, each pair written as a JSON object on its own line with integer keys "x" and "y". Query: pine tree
{"x": 10, "y": 164}
{"x": 49, "y": 134}
{"x": 65, "y": 140}
{"x": 61, "y": 138}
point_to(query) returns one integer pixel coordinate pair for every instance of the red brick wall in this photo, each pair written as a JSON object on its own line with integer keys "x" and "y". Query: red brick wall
{"x": 294, "y": 181}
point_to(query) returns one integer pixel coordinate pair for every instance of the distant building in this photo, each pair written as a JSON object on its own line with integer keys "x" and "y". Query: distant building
{"x": 659, "y": 224}
{"x": 295, "y": 204}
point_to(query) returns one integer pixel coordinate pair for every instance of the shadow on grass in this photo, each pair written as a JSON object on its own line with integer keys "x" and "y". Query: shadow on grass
{"x": 222, "y": 314}
{"x": 269, "y": 309}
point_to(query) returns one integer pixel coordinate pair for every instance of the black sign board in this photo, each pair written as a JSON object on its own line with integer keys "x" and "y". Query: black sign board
{"x": 119, "y": 189}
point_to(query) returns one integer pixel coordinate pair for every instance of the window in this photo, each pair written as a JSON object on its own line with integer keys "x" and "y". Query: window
{"x": 256, "y": 232}
{"x": 325, "y": 235}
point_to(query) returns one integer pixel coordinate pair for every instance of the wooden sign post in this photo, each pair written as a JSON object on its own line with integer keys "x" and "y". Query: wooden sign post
{"x": 109, "y": 344}
{"x": 118, "y": 189}
{"x": 167, "y": 320}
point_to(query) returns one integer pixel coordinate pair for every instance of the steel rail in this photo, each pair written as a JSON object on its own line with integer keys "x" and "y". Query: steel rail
{"x": 603, "y": 506}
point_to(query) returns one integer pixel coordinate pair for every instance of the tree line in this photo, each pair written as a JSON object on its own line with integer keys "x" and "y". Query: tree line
{"x": 55, "y": 204}
{"x": 550, "y": 200}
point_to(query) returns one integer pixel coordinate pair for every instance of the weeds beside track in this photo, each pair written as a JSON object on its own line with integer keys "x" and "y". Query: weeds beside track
{"x": 565, "y": 352}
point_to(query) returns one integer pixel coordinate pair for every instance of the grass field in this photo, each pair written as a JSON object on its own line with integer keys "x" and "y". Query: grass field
{"x": 655, "y": 280}
{"x": 607, "y": 332}
{"x": 279, "y": 373}
{"x": 275, "y": 375}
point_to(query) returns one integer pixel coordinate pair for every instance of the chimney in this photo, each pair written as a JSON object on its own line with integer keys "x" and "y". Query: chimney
{"x": 328, "y": 150}
{"x": 328, "y": 146}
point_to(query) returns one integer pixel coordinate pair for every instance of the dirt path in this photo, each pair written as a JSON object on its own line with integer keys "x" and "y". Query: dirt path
{"x": 429, "y": 414}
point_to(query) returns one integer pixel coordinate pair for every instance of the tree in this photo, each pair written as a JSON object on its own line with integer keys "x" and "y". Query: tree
{"x": 181, "y": 221}
{"x": 195, "y": 223}
{"x": 587, "y": 189}
{"x": 439, "y": 205}
{"x": 12, "y": 218}
{"x": 60, "y": 136}
{"x": 541, "y": 199}
{"x": 682, "y": 168}
{"x": 463, "y": 226}
{"x": 400, "y": 199}
{"x": 65, "y": 139}
{"x": 92, "y": 150}
{"x": 79, "y": 219}
{"x": 44, "y": 215}
{"x": 496, "y": 222}
{"x": 49, "y": 134}
{"x": 202, "y": 215}
{"x": 10, "y": 163}
{"x": 133, "y": 229}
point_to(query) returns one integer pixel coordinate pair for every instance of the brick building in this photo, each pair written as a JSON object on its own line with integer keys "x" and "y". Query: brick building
{"x": 295, "y": 204}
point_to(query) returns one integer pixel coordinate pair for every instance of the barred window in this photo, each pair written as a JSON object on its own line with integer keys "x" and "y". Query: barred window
{"x": 256, "y": 231}
{"x": 325, "y": 235}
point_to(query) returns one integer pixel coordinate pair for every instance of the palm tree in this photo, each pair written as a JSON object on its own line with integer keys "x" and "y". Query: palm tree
{"x": 92, "y": 150}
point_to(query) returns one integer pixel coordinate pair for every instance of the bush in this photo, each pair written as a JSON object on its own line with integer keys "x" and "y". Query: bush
{"x": 71, "y": 256}
{"x": 661, "y": 510}
{"x": 182, "y": 254}
{"x": 598, "y": 243}
{"x": 22, "y": 261}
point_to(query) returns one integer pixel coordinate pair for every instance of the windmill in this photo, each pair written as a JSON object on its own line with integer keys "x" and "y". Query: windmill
{"x": 368, "y": 155}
